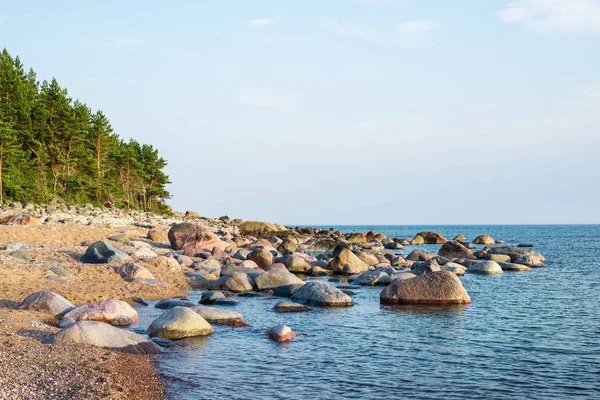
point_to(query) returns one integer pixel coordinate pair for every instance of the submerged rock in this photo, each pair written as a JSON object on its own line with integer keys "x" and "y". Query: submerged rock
{"x": 281, "y": 333}
{"x": 100, "y": 334}
{"x": 179, "y": 323}
{"x": 436, "y": 288}
{"x": 289, "y": 306}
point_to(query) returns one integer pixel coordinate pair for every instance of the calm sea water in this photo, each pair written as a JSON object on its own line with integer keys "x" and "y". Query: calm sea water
{"x": 527, "y": 335}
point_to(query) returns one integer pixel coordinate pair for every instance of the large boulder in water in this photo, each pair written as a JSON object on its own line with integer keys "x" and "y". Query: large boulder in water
{"x": 19, "y": 218}
{"x": 276, "y": 277}
{"x": 317, "y": 293}
{"x": 193, "y": 238}
{"x": 114, "y": 312}
{"x": 104, "y": 252}
{"x": 179, "y": 323}
{"x": 258, "y": 228}
{"x": 515, "y": 253}
{"x": 425, "y": 267}
{"x": 454, "y": 249}
{"x": 485, "y": 268}
{"x": 48, "y": 302}
{"x": 372, "y": 278}
{"x": 100, "y": 334}
{"x": 484, "y": 239}
{"x": 436, "y": 288}
{"x": 347, "y": 258}
{"x": 216, "y": 315}
{"x": 430, "y": 238}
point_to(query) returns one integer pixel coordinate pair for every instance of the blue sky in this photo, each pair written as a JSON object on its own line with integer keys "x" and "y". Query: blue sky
{"x": 342, "y": 111}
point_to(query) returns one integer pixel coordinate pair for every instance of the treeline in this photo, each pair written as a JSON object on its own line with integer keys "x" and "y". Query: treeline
{"x": 54, "y": 148}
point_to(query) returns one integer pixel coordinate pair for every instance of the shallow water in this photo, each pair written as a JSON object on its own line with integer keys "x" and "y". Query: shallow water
{"x": 527, "y": 335}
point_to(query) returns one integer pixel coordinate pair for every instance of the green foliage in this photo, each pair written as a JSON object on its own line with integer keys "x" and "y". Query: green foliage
{"x": 52, "y": 147}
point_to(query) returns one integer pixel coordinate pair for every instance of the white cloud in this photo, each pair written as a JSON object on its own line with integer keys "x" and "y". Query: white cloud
{"x": 256, "y": 23}
{"x": 554, "y": 14}
{"x": 264, "y": 100}
{"x": 342, "y": 27}
{"x": 420, "y": 25}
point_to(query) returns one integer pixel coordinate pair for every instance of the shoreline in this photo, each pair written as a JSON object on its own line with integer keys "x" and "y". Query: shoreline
{"x": 46, "y": 254}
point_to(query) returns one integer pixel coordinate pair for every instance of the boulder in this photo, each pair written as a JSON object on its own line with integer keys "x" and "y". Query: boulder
{"x": 425, "y": 267}
{"x": 417, "y": 240}
{"x": 498, "y": 257}
{"x": 288, "y": 246}
{"x": 114, "y": 312}
{"x": 431, "y": 238}
{"x": 454, "y": 267}
{"x": 19, "y": 218}
{"x": 48, "y": 302}
{"x": 321, "y": 246}
{"x": 294, "y": 263}
{"x": 531, "y": 260}
{"x": 347, "y": 258}
{"x": 144, "y": 254}
{"x": 210, "y": 296}
{"x": 100, "y": 334}
{"x": 289, "y": 306}
{"x": 258, "y": 228}
{"x": 400, "y": 276}
{"x": 460, "y": 238}
{"x": 484, "y": 239}
{"x": 485, "y": 268}
{"x": 179, "y": 323}
{"x": 237, "y": 282}
{"x": 132, "y": 271}
{"x": 281, "y": 333}
{"x": 286, "y": 290}
{"x": 372, "y": 278}
{"x": 368, "y": 258}
{"x": 419, "y": 255}
{"x": 317, "y": 293}
{"x": 193, "y": 238}
{"x": 273, "y": 278}
{"x": 508, "y": 266}
{"x": 524, "y": 245}
{"x": 166, "y": 263}
{"x": 357, "y": 237}
{"x": 170, "y": 303}
{"x": 261, "y": 256}
{"x": 436, "y": 288}
{"x": 216, "y": 315}
{"x": 158, "y": 236}
{"x": 515, "y": 253}
{"x": 104, "y": 252}
{"x": 454, "y": 249}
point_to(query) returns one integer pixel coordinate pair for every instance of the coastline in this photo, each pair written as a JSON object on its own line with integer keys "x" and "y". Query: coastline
{"x": 59, "y": 253}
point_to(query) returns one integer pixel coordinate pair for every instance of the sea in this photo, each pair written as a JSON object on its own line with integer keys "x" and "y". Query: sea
{"x": 526, "y": 335}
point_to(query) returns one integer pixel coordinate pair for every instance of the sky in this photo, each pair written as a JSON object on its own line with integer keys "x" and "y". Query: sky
{"x": 342, "y": 111}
